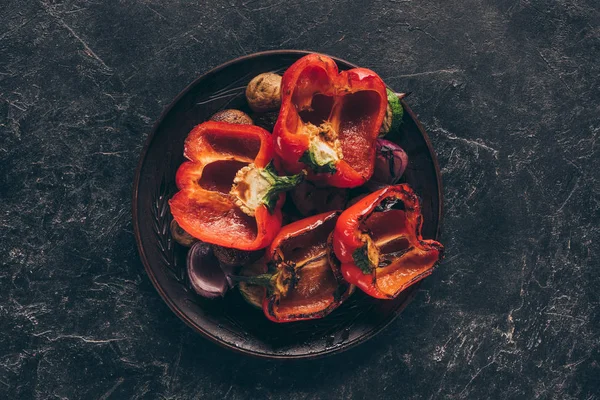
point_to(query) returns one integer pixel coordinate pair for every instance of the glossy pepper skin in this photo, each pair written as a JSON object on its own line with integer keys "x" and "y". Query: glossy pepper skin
{"x": 302, "y": 284}
{"x": 324, "y": 109}
{"x": 365, "y": 229}
{"x": 204, "y": 206}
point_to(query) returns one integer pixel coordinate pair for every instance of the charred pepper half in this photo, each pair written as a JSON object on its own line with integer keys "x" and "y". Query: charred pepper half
{"x": 299, "y": 281}
{"x": 379, "y": 244}
{"x": 329, "y": 121}
{"x": 229, "y": 190}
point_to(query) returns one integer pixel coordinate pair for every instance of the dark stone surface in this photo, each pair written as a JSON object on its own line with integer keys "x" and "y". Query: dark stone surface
{"x": 510, "y": 93}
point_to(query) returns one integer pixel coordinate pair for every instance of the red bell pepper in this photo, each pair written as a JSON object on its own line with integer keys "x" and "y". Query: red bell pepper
{"x": 329, "y": 121}
{"x": 379, "y": 244}
{"x": 302, "y": 283}
{"x": 229, "y": 191}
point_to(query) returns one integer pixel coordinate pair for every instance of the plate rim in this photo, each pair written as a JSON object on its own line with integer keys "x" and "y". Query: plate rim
{"x": 171, "y": 304}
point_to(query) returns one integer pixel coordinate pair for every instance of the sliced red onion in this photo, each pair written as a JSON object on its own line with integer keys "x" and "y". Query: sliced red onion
{"x": 228, "y": 270}
{"x": 390, "y": 162}
{"x": 206, "y": 276}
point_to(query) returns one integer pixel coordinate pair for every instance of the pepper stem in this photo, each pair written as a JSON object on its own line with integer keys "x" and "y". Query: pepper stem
{"x": 253, "y": 187}
{"x": 280, "y": 281}
{"x": 324, "y": 149}
{"x": 278, "y": 184}
{"x": 366, "y": 257}
{"x": 309, "y": 159}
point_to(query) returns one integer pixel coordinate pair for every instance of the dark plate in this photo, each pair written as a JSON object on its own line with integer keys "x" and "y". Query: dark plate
{"x": 231, "y": 322}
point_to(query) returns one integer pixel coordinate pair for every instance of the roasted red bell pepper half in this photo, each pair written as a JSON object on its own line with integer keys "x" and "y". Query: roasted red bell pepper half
{"x": 229, "y": 191}
{"x": 329, "y": 121}
{"x": 379, "y": 244}
{"x": 299, "y": 281}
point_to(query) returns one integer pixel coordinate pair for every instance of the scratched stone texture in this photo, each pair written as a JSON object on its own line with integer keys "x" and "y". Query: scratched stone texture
{"x": 510, "y": 94}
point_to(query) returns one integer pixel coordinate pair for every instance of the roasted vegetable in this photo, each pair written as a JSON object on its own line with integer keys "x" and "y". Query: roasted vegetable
{"x": 310, "y": 199}
{"x": 263, "y": 93}
{"x": 393, "y": 114}
{"x": 233, "y": 257}
{"x": 299, "y": 282}
{"x": 329, "y": 120}
{"x": 206, "y": 276}
{"x": 379, "y": 244}
{"x": 266, "y": 120}
{"x": 229, "y": 191}
{"x": 253, "y": 294}
{"x": 181, "y": 236}
{"x": 232, "y": 116}
{"x": 390, "y": 162}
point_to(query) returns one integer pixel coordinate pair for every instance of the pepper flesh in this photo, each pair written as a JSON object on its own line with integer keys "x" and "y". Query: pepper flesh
{"x": 380, "y": 247}
{"x": 329, "y": 121}
{"x": 304, "y": 284}
{"x": 209, "y": 205}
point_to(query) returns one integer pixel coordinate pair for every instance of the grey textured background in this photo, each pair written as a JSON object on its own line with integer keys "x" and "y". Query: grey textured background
{"x": 509, "y": 92}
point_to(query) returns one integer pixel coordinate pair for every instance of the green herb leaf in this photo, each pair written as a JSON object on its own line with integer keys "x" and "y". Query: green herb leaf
{"x": 397, "y": 109}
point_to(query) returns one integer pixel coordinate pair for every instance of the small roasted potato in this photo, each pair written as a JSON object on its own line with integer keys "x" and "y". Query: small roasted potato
{"x": 233, "y": 117}
{"x": 264, "y": 92}
{"x": 181, "y": 236}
